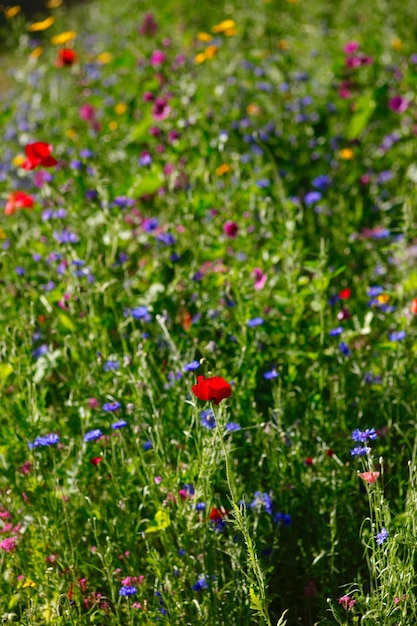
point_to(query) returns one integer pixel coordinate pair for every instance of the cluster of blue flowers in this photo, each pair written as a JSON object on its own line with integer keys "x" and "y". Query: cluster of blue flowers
{"x": 362, "y": 436}
{"x": 44, "y": 441}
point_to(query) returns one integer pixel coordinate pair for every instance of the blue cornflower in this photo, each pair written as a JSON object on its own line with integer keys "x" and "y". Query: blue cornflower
{"x": 200, "y": 584}
{"x": 44, "y": 441}
{"x": 360, "y": 451}
{"x": 336, "y": 331}
{"x": 150, "y": 224}
{"x": 312, "y": 197}
{"x": 262, "y": 183}
{"x": 166, "y": 238}
{"x": 271, "y": 374}
{"x": 65, "y": 236}
{"x": 262, "y": 499}
{"x": 20, "y": 271}
{"x": 362, "y": 436}
{"x": 119, "y": 424}
{"x": 111, "y": 406}
{"x": 127, "y": 590}
{"x": 255, "y": 321}
{"x": 344, "y": 348}
{"x": 232, "y": 427}
{"x": 148, "y": 445}
{"x": 207, "y": 419}
{"x": 374, "y": 291}
{"x": 190, "y": 367}
{"x": 40, "y": 351}
{"x": 92, "y": 435}
{"x": 284, "y": 519}
{"x": 382, "y": 536}
{"x": 139, "y": 313}
{"x": 200, "y": 506}
{"x": 321, "y": 182}
{"x": 111, "y": 366}
{"x": 397, "y": 335}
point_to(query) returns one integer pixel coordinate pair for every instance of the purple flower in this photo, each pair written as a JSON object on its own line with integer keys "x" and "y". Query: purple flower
{"x": 147, "y": 446}
{"x": 232, "y": 427}
{"x": 397, "y": 335}
{"x": 119, "y": 424}
{"x": 284, "y": 519}
{"x": 262, "y": 500}
{"x": 382, "y": 536}
{"x": 271, "y": 374}
{"x": 200, "y": 584}
{"x": 44, "y": 441}
{"x": 336, "y": 331}
{"x": 255, "y": 321}
{"x": 190, "y": 367}
{"x": 207, "y": 419}
{"x": 362, "y": 436}
{"x": 40, "y": 351}
{"x": 127, "y": 590}
{"x": 360, "y": 451}
{"x": 111, "y": 406}
{"x": 398, "y": 104}
{"x": 111, "y": 366}
{"x": 92, "y": 435}
{"x": 344, "y": 348}
{"x": 312, "y": 197}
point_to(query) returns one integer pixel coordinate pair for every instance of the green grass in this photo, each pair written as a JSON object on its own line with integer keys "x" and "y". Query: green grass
{"x": 248, "y": 209}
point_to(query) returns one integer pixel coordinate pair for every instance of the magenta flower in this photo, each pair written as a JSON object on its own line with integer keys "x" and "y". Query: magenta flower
{"x": 9, "y": 544}
{"x": 398, "y": 104}
{"x": 231, "y": 229}
{"x": 351, "y": 47}
{"x": 260, "y": 278}
{"x": 157, "y": 57}
{"x": 160, "y": 109}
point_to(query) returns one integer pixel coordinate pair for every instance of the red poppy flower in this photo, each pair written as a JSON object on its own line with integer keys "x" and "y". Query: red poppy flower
{"x": 38, "y": 153}
{"x": 413, "y": 307}
{"x": 66, "y": 57}
{"x": 18, "y": 200}
{"x": 216, "y": 389}
{"x": 96, "y": 460}
{"x": 217, "y": 515}
{"x": 345, "y": 294}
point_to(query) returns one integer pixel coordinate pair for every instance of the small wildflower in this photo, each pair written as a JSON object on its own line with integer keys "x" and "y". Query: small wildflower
{"x": 127, "y": 590}
{"x": 92, "y": 435}
{"x": 382, "y": 536}
{"x": 369, "y": 477}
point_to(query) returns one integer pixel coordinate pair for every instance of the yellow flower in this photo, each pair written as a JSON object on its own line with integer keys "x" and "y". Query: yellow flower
{"x": 223, "y": 169}
{"x": 396, "y": 44}
{"x": 200, "y": 57}
{"x": 36, "y": 53}
{"x": 282, "y": 44}
{"x": 253, "y": 109}
{"x": 53, "y": 4}
{"x": 230, "y": 32}
{"x": 63, "y": 38}
{"x": 104, "y": 57}
{"x": 2, "y": 234}
{"x": 223, "y": 26}
{"x": 120, "y": 108}
{"x": 71, "y": 133}
{"x": 18, "y": 160}
{"x": 211, "y": 51}
{"x": 113, "y": 125}
{"x": 346, "y": 154}
{"x": 204, "y": 37}
{"x": 29, "y": 583}
{"x": 383, "y": 298}
{"x": 43, "y": 25}
{"x": 10, "y": 12}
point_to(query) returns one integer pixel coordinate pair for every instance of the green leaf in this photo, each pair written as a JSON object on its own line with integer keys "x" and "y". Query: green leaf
{"x": 66, "y": 322}
{"x": 365, "y": 106}
{"x": 5, "y": 370}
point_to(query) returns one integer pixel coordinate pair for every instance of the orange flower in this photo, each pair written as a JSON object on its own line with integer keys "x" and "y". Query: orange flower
{"x": 18, "y": 200}
{"x": 369, "y": 477}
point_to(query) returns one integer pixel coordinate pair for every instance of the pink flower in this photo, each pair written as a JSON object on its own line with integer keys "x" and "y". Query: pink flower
{"x": 369, "y": 477}
{"x": 157, "y": 57}
{"x": 346, "y": 602}
{"x": 351, "y": 47}
{"x": 260, "y": 278}
{"x": 231, "y": 229}
{"x": 160, "y": 109}
{"x": 398, "y": 104}
{"x": 148, "y": 26}
{"x": 9, "y": 544}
